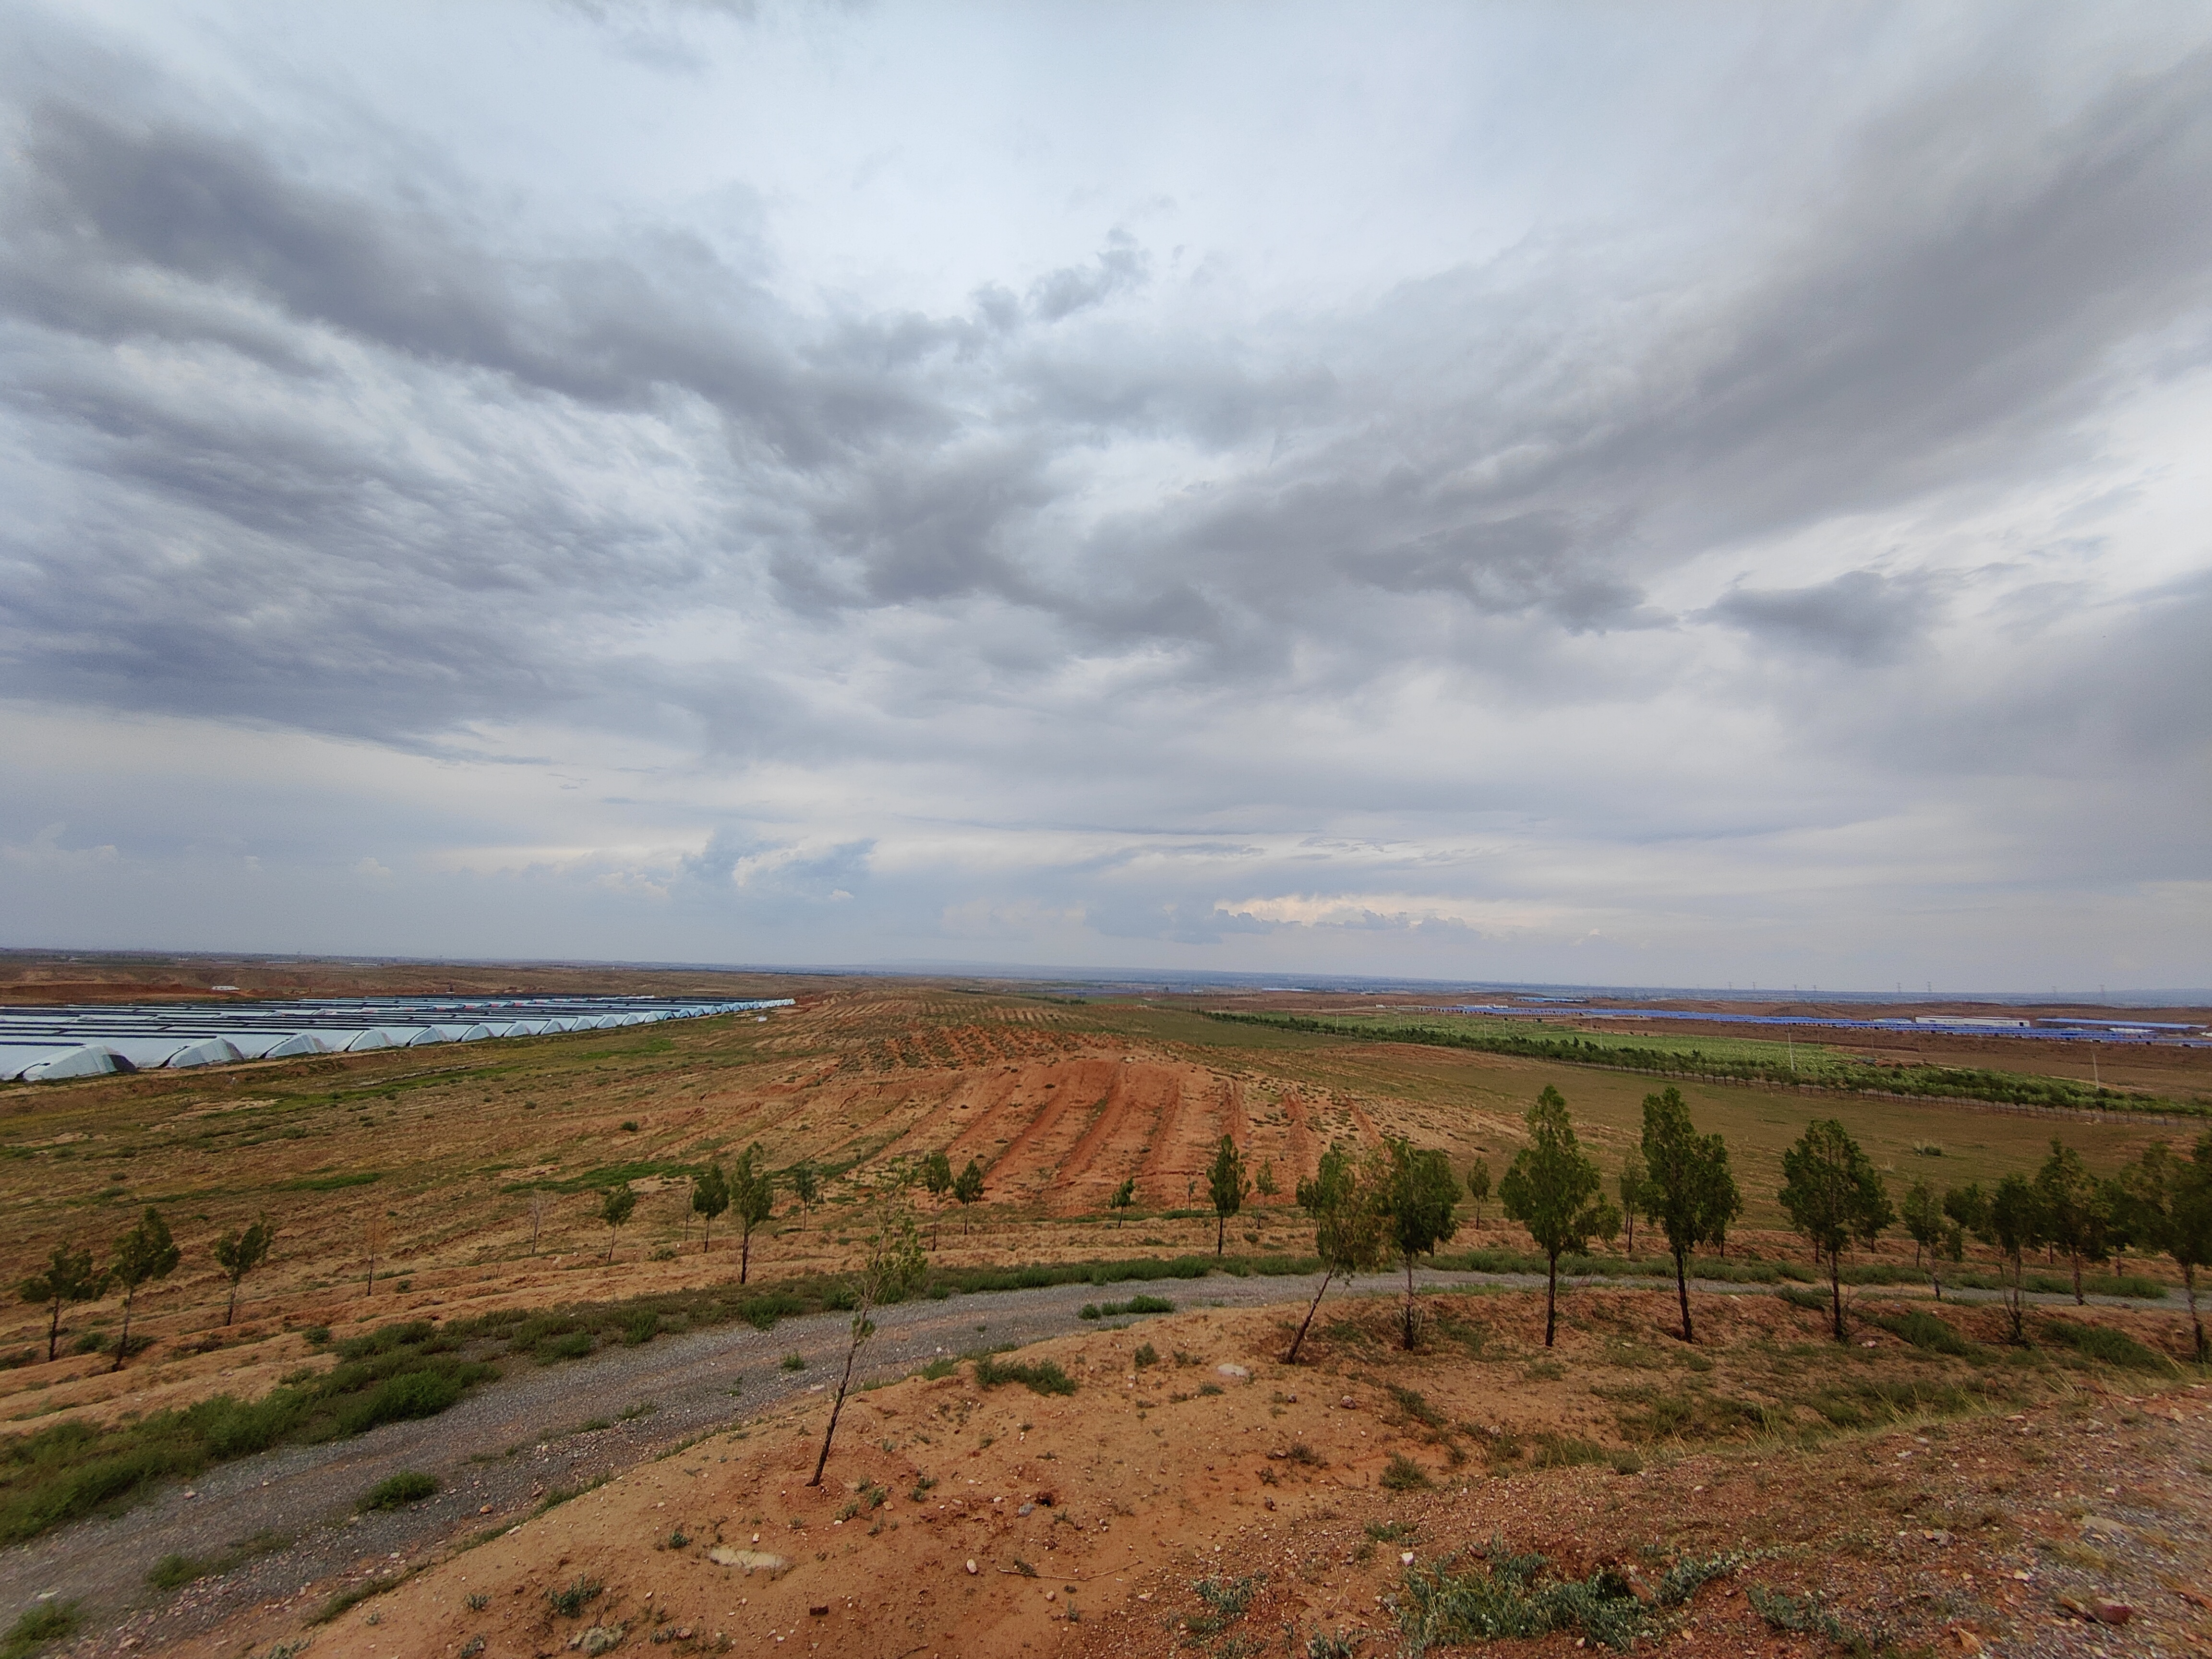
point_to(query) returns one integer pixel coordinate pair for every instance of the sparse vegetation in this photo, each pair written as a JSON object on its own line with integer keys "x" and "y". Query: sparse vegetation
{"x": 398, "y": 1491}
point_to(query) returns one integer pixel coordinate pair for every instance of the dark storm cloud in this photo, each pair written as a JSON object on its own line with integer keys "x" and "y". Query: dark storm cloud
{"x": 1863, "y": 616}
{"x": 1939, "y": 315}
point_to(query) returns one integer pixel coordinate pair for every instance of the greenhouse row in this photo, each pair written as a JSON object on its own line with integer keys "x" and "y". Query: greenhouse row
{"x": 91, "y": 1039}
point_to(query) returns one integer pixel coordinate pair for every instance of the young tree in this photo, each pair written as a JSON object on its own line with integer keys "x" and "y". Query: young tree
{"x": 540, "y": 1201}
{"x": 752, "y": 1199}
{"x": 1555, "y": 1191}
{"x": 710, "y": 1197}
{"x": 146, "y": 1252}
{"x": 1421, "y": 1196}
{"x": 1478, "y": 1186}
{"x": 1833, "y": 1195}
{"x": 893, "y": 1268}
{"x": 615, "y": 1210}
{"x": 1688, "y": 1188}
{"x": 1922, "y": 1215}
{"x": 936, "y": 1174}
{"x": 1266, "y": 1184}
{"x": 2075, "y": 1216}
{"x": 2170, "y": 1198}
{"x": 806, "y": 1183}
{"x": 1632, "y": 1185}
{"x": 968, "y": 1189}
{"x": 1226, "y": 1185}
{"x": 239, "y": 1254}
{"x": 2014, "y": 1223}
{"x": 1125, "y": 1196}
{"x": 69, "y": 1278}
{"x": 1350, "y": 1234}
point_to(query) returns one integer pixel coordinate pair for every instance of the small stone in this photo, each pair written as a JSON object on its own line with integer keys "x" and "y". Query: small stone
{"x": 971, "y": 1566}
{"x": 601, "y": 1638}
{"x": 1350, "y": 1404}
{"x": 1238, "y": 1373}
{"x": 1026, "y": 1508}
{"x": 817, "y": 1609}
{"x": 2112, "y": 1612}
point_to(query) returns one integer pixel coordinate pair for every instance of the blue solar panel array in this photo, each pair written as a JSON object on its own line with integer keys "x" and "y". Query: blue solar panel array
{"x": 93, "y": 1039}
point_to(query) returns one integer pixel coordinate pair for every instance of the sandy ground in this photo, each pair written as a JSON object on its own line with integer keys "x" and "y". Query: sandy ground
{"x": 1090, "y": 1518}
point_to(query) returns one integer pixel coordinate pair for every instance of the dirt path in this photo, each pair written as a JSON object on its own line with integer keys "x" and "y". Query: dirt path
{"x": 536, "y": 1432}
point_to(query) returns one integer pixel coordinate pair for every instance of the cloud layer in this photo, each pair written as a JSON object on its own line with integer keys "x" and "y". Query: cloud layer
{"x": 1744, "y": 539}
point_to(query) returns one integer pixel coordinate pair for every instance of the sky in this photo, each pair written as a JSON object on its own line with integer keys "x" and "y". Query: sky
{"x": 1699, "y": 495}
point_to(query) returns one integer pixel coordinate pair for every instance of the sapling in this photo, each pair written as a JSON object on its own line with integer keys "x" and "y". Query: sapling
{"x": 69, "y": 1278}
{"x": 239, "y": 1254}
{"x": 1555, "y": 1191}
{"x": 1834, "y": 1195}
{"x": 146, "y": 1252}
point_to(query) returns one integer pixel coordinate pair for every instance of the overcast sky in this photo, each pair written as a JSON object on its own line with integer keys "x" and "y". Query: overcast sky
{"x": 1617, "y": 493}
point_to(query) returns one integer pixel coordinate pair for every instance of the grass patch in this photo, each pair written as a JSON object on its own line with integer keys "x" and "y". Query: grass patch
{"x": 1924, "y": 1330}
{"x": 1044, "y": 1376}
{"x": 1224, "y": 1600}
{"x": 73, "y": 1469}
{"x": 2105, "y": 1344}
{"x": 331, "y": 1183}
{"x": 397, "y": 1491}
{"x": 1511, "y": 1596}
{"x": 175, "y": 1572}
{"x": 50, "y": 1622}
{"x": 1403, "y": 1474}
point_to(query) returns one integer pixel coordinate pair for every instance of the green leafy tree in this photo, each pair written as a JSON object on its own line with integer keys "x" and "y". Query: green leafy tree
{"x": 1421, "y": 1198}
{"x": 752, "y": 1200}
{"x": 806, "y": 1182}
{"x": 143, "y": 1255}
{"x": 1351, "y": 1223}
{"x": 69, "y": 1278}
{"x": 1555, "y": 1191}
{"x": 1688, "y": 1190}
{"x": 1478, "y": 1186}
{"x": 239, "y": 1254}
{"x": 1266, "y": 1184}
{"x": 2170, "y": 1200}
{"x": 1125, "y": 1196}
{"x": 2075, "y": 1217}
{"x": 1227, "y": 1187}
{"x": 1632, "y": 1184}
{"x": 1922, "y": 1215}
{"x": 710, "y": 1197}
{"x": 892, "y": 1270}
{"x": 968, "y": 1189}
{"x": 1834, "y": 1196}
{"x": 936, "y": 1174}
{"x": 615, "y": 1210}
{"x": 2014, "y": 1223}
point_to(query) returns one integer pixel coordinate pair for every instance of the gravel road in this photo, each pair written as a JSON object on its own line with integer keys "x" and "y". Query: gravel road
{"x": 499, "y": 1452}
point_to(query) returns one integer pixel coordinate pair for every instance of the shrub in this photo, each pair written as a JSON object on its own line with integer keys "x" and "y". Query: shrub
{"x": 794, "y": 1361}
{"x": 570, "y": 1603}
{"x": 1045, "y": 1376}
{"x": 1146, "y": 1354}
{"x": 2101, "y": 1342}
{"x": 50, "y": 1622}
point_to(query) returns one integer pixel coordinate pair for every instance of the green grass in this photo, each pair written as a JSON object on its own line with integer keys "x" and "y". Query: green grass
{"x": 1733, "y": 1060}
{"x": 2102, "y": 1343}
{"x": 73, "y": 1469}
{"x": 1043, "y": 1377}
{"x": 397, "y": 1492}
{"x": 330, "y": 1183}
{"x": 175, "y": 1572}
{"x": 50, "y": 1622}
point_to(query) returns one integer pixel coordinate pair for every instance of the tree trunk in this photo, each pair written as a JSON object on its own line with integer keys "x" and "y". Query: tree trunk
{"x": 1836, "y": 1291}
{"x": 611, "y": 1235}
{"x": 1409, "y": 1302}
{"x": 2080, "y": 1300}
{"x": 1682, "y": 1290}
{"x": 536, "y": 1216}
{"x": 123, "y": 1345}
{"x": 1292, "y": 1358}
{"x": 707, "y": 1236}
{"x": 228, "y": 1312}
{"x": 1632, "y": 1234}
{"x": 1551, "y": 1298}
{"x": 745, "y": 1255}
{"x": 54, "y": 1332}
{"x": 2189, "y": 1284}
{"x": 1220, "y": 1230}
{"x": 2012, "y": 1300}
{"x": 837, "y": 1407}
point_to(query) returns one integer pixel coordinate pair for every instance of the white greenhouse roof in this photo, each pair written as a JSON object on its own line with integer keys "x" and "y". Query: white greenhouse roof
{"x": 93, "y": 1039}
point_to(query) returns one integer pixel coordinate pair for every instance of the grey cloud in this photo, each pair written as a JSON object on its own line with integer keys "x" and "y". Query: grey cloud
{"x": 1120, "y": 267}
{"x": 1863, "y": 615}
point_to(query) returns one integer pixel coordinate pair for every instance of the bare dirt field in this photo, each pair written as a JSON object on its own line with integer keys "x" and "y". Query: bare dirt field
{"x": 473, "y": 1176}
{"x": 1192, "y": 1494}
